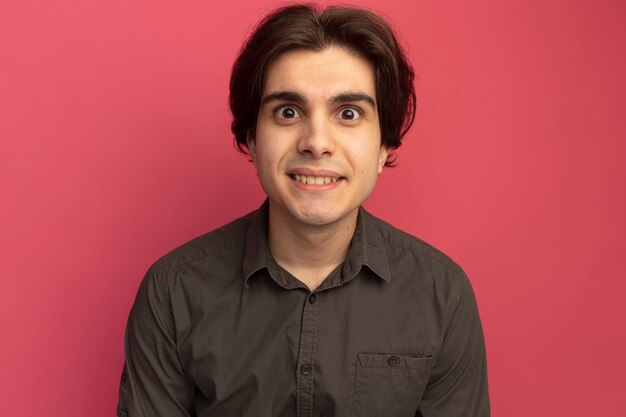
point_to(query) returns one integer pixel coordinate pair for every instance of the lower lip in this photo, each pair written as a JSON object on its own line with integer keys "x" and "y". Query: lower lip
{"x": 316, "y": 188}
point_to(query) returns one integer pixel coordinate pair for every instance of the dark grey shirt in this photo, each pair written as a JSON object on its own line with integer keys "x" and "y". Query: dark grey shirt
{"x": 218, "y": 328}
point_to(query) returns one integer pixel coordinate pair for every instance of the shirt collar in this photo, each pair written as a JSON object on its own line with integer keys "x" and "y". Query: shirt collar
{"x": 257, "y": 254}
{"x": 367, "y": 249}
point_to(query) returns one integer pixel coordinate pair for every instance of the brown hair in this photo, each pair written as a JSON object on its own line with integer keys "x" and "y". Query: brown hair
{"x": 305, "y": 27}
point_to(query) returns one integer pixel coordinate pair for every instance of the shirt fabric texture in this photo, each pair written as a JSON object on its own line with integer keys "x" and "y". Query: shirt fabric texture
{"x": 218, "y": 328}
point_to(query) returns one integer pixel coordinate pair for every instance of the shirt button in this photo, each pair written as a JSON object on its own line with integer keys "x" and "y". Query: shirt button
{"x": 312, "y": 298}
{"x": 393, "y": 361}
{"x": 306, "y": 369}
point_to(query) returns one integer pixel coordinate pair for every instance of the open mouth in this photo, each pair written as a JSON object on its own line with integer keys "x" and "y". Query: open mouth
{"x": 313, "y": 180}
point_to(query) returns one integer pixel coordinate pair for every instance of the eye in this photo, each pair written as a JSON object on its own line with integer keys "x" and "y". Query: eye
{"x": 287, "y": 112}
{"x": 349, "y": 113}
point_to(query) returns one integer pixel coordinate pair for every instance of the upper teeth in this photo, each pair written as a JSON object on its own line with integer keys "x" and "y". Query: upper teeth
{"x": 308, "y": 179}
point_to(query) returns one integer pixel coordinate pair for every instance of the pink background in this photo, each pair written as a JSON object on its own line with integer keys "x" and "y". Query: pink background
{"x": 115, "y": 147}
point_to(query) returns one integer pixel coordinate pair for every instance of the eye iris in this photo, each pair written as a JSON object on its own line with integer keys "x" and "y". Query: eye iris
{"x": 289, "y": 113}
{"x": 348, "y": 114}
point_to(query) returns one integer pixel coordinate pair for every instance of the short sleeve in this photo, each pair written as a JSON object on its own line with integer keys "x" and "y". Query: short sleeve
{"x": 153, "y": 381}
{"x": 458, "y": 384}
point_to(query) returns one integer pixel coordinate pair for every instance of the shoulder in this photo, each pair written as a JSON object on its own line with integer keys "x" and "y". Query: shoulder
{"x": 414, "y": 263}
{"x": 398, "y": 241}
{"x": 228, "y": 238}
{"x": 417, "y": 265}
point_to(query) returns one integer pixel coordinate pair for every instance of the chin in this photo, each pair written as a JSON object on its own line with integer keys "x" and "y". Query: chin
{"x": 320, "y": 216}
{"x": 317, "y": 219}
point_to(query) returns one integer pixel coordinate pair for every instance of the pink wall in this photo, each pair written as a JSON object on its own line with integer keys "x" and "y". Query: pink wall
{"x": 115, "y": 147}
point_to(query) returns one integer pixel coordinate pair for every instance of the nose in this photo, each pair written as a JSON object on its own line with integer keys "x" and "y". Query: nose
{"x": 316, "y": 138}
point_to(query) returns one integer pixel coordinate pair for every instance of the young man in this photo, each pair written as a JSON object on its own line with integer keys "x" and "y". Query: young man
{"x": 310, "y": 306}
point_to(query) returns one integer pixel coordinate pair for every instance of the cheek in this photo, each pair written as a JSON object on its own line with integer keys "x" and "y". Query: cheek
{"x": 274, "y": 148}
{"x": 267, "y": 159}
{"x": 368, "y": 158}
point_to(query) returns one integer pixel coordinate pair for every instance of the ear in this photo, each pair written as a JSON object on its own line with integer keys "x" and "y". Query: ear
{"x": 251, "y": 146}
{"x": 382, "y": 158}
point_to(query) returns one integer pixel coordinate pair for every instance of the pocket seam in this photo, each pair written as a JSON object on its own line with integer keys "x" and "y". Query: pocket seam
{"x": 380, "y": 361}
{"x": 375, "y": 365}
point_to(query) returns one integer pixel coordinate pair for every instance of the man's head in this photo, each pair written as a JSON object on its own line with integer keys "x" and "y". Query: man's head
{"x": 303, "y": 27}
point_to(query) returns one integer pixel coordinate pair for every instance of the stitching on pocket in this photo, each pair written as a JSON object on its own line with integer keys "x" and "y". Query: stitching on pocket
{"x": 403, "y": 376}
{"x": 381, "y": 361}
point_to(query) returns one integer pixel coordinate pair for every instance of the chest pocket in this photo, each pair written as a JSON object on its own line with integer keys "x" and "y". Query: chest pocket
{"x": 389, "y": 385}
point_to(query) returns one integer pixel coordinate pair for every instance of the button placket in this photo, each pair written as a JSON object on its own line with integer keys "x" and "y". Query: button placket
{"x": 305, "y": 373}
{"x": 306, "y": 369}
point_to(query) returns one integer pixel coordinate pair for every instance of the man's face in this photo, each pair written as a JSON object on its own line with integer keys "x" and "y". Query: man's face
{"x": 318, "y": 148}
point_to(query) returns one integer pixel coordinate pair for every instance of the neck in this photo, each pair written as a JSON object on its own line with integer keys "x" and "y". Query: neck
{"x": 309, "y": 252}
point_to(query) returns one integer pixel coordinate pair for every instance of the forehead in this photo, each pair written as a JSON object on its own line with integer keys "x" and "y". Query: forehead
{"x": 327, "y": 72}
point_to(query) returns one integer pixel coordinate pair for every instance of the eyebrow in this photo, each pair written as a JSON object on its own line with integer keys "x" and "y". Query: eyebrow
{"x": 297, "y": 98}
{"x": 352, "y": 97}
{"x": 284, "y": 96}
